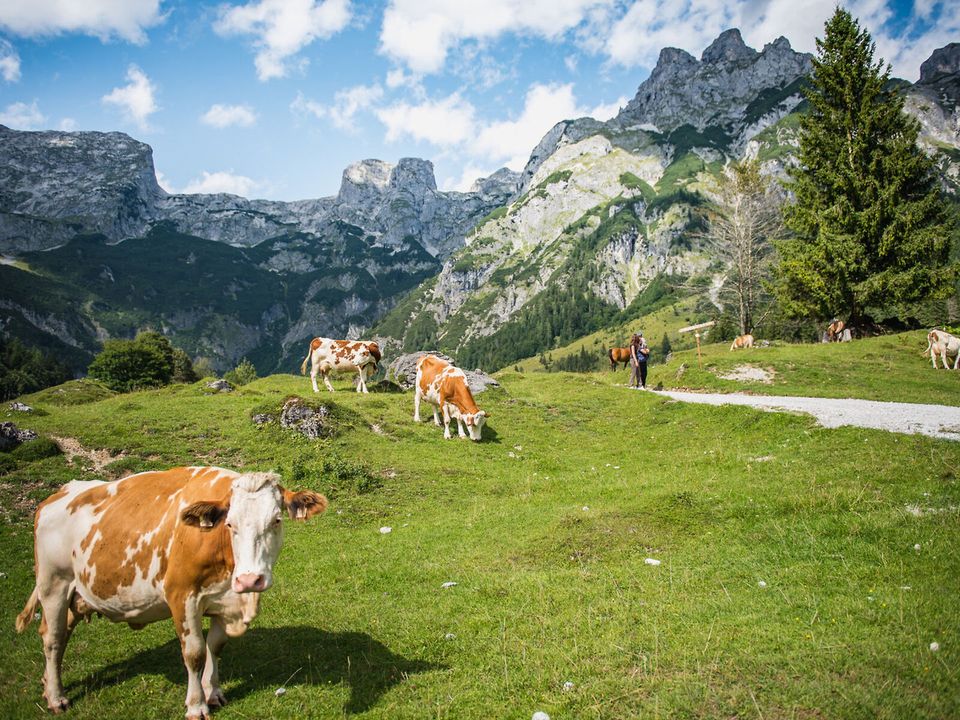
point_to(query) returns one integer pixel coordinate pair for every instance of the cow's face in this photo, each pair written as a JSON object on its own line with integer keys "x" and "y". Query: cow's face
{"x": 475, "y": 423}
{"x": 254, "y": 520}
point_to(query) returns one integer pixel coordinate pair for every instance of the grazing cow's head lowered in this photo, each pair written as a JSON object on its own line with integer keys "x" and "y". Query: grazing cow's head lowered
{"x": 474, "y": 423}
{"x": 253, "y": 518}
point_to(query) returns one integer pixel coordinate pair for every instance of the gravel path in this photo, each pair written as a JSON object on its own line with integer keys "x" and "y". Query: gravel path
{"x": 940, "y": 421}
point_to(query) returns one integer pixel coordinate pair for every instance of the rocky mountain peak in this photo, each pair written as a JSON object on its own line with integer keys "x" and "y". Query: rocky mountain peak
{"x": 728, "y": 47}
{"x": 413, "y": 174}
{"x": 943, "y": 62}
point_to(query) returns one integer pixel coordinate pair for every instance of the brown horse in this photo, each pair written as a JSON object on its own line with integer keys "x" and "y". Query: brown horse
{"x": 618, "y": 355}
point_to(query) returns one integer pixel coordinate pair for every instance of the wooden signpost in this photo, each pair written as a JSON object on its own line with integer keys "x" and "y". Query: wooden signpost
{"x": 695, "y": 329}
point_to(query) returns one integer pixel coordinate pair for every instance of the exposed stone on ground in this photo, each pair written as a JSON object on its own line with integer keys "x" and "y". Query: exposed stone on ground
{"x": 20, "y": 407}
{"x": 99, "y": 459}
{"x": 748, "y": 373}
{"x": 403, "y": 372}
{"x": 11, "y": 436}
{"x": 263, "y": 418}
{"x": 220, "y": 385}
{"x": 311, "y": 422}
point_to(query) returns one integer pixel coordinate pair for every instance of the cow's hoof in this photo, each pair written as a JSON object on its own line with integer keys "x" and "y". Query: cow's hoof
{"x": 58, "y": 705}
{"x": 215, "y": 698}
{"x": 198, "y": 712}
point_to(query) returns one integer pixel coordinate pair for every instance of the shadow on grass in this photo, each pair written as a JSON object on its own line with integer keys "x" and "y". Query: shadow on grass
{"x": 268, "y": 658}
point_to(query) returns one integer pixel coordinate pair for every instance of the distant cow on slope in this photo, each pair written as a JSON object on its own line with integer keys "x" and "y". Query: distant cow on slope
{"x": 445, "y": 387}
{"x": 837, "y": 332}
{"x": 945, "y": 345}
{"x": 618, "y": 355}
{"x": 186, "y": 543}
{"x": 743, "y": 341}
{"x": 336, "y": 356}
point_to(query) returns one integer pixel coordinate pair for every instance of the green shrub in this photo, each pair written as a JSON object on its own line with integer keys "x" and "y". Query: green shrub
{"x": 242, "y": 374}
{"x": 148, "y": 361}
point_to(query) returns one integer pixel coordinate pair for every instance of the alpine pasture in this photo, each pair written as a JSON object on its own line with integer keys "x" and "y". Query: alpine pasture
{"x": 803, "y": 572}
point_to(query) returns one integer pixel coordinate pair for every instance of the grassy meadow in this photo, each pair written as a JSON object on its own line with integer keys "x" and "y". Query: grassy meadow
{"x": 789, "y": 585}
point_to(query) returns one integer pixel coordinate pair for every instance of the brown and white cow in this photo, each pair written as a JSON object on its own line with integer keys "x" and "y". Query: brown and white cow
{"x": 743, "y": 341}
{"x": 328, "y": 356}
{"x": 445, "y": 387}
{"x": 945, "y": 345}
{"x": 182, "y": 543}
{"x": 835, "y": 330}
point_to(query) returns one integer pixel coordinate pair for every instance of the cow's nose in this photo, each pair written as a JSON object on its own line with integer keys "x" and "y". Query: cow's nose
{"x": 248, "y": 582}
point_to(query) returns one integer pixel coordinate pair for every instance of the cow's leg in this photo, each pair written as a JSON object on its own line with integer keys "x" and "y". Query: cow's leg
{"x": 188, "y": 621}
{"x": 362, "y": 385}
{"x": 460, "y": 430}
{"x": 446, "y": 421}
{"x": 416, "y": 403}
{"x": 436, "y": 417}
{"x": 55, "y": 631}
{"x": 216, "y": 639}
{"x": 326, "y": 380}
{"x": 956, "y": 361}
{"x": 313, "y": 377}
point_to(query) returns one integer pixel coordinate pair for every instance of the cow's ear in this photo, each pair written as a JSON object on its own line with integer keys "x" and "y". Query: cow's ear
{"x": 204, "y": 515}
{"x": 304, "y": 504}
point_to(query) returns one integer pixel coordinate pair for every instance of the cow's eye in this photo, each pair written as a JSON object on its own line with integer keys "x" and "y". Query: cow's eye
{"x": 277, "y": 520}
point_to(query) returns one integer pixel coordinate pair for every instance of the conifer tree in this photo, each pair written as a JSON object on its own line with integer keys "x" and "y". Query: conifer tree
{"x": 870, "y": 228}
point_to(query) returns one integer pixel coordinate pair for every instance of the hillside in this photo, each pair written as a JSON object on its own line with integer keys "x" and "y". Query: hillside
{"x": 782, "y": 546}
{"x": 607, "y": 209}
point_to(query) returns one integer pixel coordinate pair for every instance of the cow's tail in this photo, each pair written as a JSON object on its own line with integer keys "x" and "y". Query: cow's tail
{"x": 303, "y": 367}
{"x": 29, "y": 610}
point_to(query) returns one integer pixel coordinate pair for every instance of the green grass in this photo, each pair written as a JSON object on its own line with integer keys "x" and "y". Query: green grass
{"x": 545, "y": 527}
{"x": 888, "y": 367}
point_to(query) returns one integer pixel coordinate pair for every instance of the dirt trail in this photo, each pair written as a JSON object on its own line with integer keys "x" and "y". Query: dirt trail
{"x": 939, "y": 421}
{"x": 72, "y": 448}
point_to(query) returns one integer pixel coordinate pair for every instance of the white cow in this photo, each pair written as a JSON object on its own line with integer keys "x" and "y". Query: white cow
{"x": 945, "y": 345}
{"x": 329, "y": 356}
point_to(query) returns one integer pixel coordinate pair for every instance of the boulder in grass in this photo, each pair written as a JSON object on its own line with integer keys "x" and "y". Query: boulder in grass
{"x": 311, "y": 422}
{"x": 11, "y": 436}
{"x": 220, "y": 385}
{"x": 20, "y": 407}
{"x": 403, "y": 372}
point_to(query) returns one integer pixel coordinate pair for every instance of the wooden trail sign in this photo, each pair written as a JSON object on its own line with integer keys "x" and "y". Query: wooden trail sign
{"x": 695, "y": 329}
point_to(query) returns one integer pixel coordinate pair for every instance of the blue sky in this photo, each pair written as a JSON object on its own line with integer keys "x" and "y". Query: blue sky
{"x": 274, "y": 98}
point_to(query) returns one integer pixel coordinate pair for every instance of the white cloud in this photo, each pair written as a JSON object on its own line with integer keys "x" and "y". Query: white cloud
{"x": 9, "y": 62}
{"x": 397, "y": 78}
{"x": 135, "y": 99}
{"x": 420, "y": 33}
{"x": 219, "y": 182}
{"x": 67, "y": 124}
{"x": 445, "y": 122}
{"x": 221, "y": 116}
{"x": 606, "y": 111}
{"x": 509, "y": 142}
{"x": 346, "y": 104}
{"x": 282, "y": 28}
{"x": 21, "y": 116}
{"x": 105, "y": 19}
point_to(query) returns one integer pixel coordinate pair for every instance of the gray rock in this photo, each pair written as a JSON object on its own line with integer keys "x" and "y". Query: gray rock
{"x": 20, "y": 407}
{"x": 263, "y": 419}
{"x": 403, "y": 371}
{"x": 11, "y": 436}
{"x": 220, "y": 385}
{"x": 299, "y": 416}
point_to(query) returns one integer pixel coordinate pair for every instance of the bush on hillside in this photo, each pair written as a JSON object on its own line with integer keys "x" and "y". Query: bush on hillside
{"x": 148, "y": 361}
{"x": 242, "y": 374}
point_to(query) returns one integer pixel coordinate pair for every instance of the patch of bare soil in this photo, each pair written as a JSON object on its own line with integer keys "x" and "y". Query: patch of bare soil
{"x": 98, "y": 459}
{"x": 749, "y": 373}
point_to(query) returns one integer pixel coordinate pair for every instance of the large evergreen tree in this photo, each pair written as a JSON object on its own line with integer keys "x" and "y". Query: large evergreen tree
{"x": 870, "y": 227}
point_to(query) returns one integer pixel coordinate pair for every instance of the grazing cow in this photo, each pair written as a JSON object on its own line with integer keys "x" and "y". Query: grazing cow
{"x": 445, "y": 387}
{"x": 835, "y": 331}
{"x": 743, "y": 341}
{"x": 945, "y": 345}
{"x": 617, "y": 355}
{"x": 329, "y": 356}
{"x": 182, "y": 543}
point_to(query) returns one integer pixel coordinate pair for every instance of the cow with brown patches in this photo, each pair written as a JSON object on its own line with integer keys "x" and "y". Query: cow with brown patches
{"x": 336, "y": 356}
{"x": 942, "y": 343}
{"x": 742, "y": 341}
{"x": 445, "y": 387}
{"x": 183, "y": 543}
